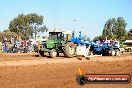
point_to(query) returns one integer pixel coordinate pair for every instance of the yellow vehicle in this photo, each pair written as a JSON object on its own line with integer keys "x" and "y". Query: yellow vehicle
{"x": 128, "y": 45}
{"x": 128, "y": 48}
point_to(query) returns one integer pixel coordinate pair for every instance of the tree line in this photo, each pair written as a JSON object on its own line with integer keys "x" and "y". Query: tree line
{"x": 25, "y": 25}
{"x": 115, "y": 29}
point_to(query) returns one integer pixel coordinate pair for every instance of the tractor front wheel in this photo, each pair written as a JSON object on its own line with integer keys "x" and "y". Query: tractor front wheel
{"x": 112, "y": 52}
{"x": 53, "y": 53}
{"x": 69, "y": 49}
{"x": 117, "y": 52}
{"x": 41, "y": 53}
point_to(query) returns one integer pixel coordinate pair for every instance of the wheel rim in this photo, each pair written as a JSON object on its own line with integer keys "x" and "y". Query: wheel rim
{"x": 54, "y": 53}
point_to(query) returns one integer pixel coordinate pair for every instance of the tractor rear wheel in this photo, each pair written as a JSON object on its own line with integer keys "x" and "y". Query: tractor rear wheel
{"x": 69, "y": 49}
{"x": 117, "y": 52}
{"x": 53, "y": 53}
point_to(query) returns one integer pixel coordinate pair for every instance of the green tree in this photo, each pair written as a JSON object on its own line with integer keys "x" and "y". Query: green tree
{"x": 115, "y": 29}
{"x": 1, "y": 36}
{"x": 42, "y": 29}
{"x": 8, "y": 34}
{"x": 120, "y": 31}
{"x": 109, "y": 28}
{"x": 130, "y": 34}
{"x": 99, "y": 38}
{"x": 25, "y": 25}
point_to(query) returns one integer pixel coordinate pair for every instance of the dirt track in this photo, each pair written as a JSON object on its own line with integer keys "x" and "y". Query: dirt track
{"x": 27, "y": 71}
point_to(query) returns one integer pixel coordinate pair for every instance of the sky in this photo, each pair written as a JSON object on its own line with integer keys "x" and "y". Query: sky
{"x": 88, "y": 16}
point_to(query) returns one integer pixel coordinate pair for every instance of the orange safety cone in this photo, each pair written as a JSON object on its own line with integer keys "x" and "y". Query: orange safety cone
{"x": 81, "y": 71}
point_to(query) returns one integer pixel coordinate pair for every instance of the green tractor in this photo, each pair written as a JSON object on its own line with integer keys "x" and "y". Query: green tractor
{"x": 58, "y": 42}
